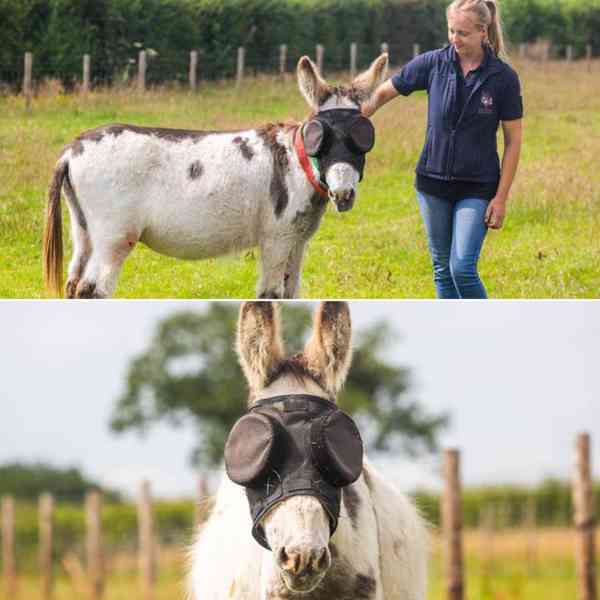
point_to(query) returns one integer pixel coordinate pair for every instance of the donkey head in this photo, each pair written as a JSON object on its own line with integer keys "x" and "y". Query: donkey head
{"x": 294, "y": 450}
{"x": 337, "y": 136}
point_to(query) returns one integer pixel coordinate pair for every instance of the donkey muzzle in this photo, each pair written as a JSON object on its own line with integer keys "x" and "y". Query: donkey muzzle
{"x": 302, "y": 570}
{"x": 342, "y": 200}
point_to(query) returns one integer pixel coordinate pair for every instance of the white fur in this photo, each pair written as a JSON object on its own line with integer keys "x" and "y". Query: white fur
{"x": 136, "y": 187}
{"x": 389, "y": 541}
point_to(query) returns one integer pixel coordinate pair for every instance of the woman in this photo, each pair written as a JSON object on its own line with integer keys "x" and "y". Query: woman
{"x": 461, "y": 190}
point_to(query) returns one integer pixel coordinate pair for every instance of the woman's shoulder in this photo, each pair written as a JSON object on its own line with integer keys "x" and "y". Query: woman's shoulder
{"x": 508, "y": 71}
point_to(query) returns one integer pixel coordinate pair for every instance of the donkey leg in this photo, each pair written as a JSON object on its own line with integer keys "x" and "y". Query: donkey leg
{"x": 292, "y": 271}
{"x": 82, "y": 245}
{"x": 82, "y": 249}
{"x": 274, "y": 255}
{"x": 100, "y": 276}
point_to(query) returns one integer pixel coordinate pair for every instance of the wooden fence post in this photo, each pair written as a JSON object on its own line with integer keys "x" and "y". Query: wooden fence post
{"x": 27, "y": 80}
{"x": 588, "y": 56}
{"x": 452, "y": 526}
{"x": 46, "y": 518}
{"x": 585, "y": 556}
{"x": 93, "y": 545}
{"x": 319, "y": 55}
{"x": 147, "y": 557}
{"x": 86, "y": 74}
{"x": 531, "y": 527}
{"x": 282, "y": 61}
{"x": 353, "y": 53}
{"x": 569, "y": 53}
{"x": 486, "y": 528}
{"x": 142, "y": 71}
{"x": 241, "y": 59}
{"x": 194, "y": 71}
{"x": 522, "y": 51}
{"x": 416, "y": 50}
{"x": 9, "y": 563}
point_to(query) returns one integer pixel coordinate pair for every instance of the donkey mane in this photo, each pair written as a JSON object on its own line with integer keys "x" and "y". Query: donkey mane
{"x": 297, "y": 367}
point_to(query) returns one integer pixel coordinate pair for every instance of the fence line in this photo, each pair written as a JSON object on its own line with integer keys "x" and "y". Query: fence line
{"x": 91, "y": 581}
{"x": 539, "y": 51}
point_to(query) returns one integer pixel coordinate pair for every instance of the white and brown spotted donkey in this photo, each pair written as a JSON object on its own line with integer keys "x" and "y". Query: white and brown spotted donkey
{"x": 301, "y": 513}
{"x": 200, "y": 194}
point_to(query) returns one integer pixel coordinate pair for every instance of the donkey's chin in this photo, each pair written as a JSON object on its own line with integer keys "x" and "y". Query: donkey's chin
{"x": 303, "y": 584}
{"x": 343, "y": 200}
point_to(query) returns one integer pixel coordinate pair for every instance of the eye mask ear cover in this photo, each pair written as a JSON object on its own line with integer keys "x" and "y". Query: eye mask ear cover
{"x": 356, "y": 130}
{"x": 293, "y": 445}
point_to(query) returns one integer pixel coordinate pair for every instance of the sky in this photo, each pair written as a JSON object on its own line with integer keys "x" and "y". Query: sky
{"x": 519, "y": 380}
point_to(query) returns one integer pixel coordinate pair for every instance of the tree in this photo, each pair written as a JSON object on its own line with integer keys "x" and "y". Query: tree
{"x": 28, "y": 481}
{"x": 190, "y": 373}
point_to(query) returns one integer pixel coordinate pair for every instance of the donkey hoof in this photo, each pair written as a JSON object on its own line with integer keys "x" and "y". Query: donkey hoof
{"x": 71, "y": 288}
{"x": 270, "y": 295}
{"x": 86, "y": 289}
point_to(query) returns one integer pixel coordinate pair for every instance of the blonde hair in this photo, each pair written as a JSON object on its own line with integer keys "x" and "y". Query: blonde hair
{"x": 487, "y": 16}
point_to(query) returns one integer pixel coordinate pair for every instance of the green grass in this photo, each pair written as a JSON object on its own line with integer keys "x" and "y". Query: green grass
{"x": 549, "y": 247}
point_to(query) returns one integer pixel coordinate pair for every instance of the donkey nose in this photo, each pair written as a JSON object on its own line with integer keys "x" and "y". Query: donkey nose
{"x": 304, "y": 562}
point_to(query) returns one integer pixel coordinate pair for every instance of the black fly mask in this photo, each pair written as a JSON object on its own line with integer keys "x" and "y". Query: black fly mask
{"x": 339, "y": 135}
{"x": 293, "y": 445}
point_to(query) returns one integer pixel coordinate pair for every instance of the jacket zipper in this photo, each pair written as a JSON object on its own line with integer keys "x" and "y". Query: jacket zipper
{"x": 450, "y": 160}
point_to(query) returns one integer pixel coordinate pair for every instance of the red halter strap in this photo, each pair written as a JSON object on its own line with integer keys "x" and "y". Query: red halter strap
{"x": 305, "y": 164}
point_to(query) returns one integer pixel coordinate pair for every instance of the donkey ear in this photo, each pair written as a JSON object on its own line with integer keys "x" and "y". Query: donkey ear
{"x": 313, "y": 87}
{"x": 329, "y": 352}
{"x": 365, "y": 83}
{"x": 259, "y": 343}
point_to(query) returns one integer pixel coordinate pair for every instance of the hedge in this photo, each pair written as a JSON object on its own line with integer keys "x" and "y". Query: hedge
{"x": 59, "y": 32}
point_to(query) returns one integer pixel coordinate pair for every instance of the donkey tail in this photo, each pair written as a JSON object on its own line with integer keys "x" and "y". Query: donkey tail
{"x": 53, "y": 243}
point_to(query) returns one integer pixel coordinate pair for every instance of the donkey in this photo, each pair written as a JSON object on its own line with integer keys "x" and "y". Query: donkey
{"x": 200, "y": 194}
{"x": 373, "y": 548}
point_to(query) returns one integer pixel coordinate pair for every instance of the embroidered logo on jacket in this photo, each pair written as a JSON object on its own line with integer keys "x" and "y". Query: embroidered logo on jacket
{"x": 487, "y": 104}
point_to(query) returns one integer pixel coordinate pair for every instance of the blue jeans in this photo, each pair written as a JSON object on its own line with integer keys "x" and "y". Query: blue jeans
{"x": 456, "y": 230}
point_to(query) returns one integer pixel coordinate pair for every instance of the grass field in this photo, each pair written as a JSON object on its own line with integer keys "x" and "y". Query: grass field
{"x": 549, "y": 247}
{"x": 500, "y": 571}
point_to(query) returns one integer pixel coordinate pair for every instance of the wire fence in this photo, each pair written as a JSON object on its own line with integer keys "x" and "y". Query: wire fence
{"x": 148, "y": 69}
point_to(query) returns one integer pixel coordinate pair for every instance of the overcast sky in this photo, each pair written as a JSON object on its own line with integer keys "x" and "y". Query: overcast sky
{"x": 520, "y": 380}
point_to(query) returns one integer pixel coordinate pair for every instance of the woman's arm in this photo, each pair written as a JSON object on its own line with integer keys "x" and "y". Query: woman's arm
{"x": 494, "y": 216}
{"x": 384, "y": 93}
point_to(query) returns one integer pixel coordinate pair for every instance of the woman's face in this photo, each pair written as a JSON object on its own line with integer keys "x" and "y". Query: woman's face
{"x": 466, "y": 37}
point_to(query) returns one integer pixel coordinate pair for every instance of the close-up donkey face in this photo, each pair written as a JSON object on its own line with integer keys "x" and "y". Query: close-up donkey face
{"x": 337, "y": 136}
{"x": 294, "y": 450}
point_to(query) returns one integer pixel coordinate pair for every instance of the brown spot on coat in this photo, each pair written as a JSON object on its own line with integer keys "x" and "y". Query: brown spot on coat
{"x": 307, "y": 221}
{"x": 351, "y": 501}
{"x": 364, "y": 586}
{"x": 245, "y": 149}
{"x": 278, "y": 187}
{"x": 341, "y": 582}
{"x": 195, "y": 170}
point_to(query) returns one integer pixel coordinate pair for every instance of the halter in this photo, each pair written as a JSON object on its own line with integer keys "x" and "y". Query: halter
{"x": 309, "y": 165}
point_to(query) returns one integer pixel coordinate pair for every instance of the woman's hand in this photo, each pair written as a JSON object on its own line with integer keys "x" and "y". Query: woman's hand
{"x": 494, "y": 215}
